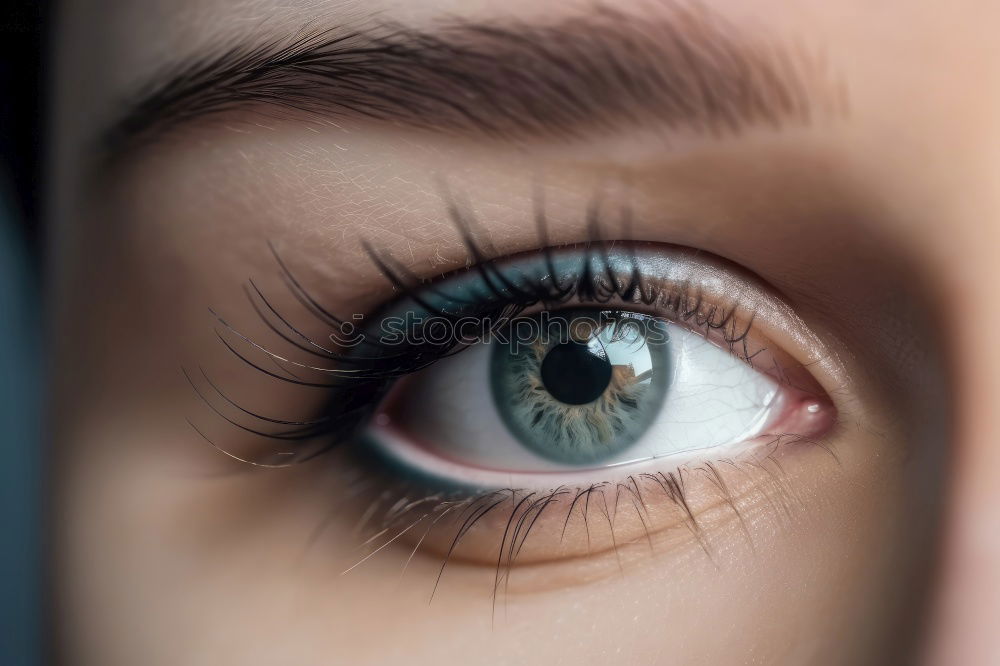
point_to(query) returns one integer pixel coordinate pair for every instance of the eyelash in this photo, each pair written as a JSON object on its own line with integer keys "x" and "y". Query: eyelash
{"x": 370, "y": 376}
{"x": 393, "y": 508}
{"x": 358, "y": 384}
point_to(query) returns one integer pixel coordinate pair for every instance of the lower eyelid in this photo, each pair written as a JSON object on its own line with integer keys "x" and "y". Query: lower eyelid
{"x": 599, "y": 524}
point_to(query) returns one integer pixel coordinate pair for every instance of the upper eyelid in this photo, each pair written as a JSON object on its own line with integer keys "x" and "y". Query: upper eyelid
{"x": 687, "y": 291}
{"x": 683, "y": 266}
{"x": 691, "y": 274}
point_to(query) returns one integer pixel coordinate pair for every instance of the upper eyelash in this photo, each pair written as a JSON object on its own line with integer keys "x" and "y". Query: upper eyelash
{"x": 358, "y": 381}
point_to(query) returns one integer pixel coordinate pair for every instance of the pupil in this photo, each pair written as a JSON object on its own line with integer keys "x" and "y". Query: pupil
{"x": 575, "y": 374}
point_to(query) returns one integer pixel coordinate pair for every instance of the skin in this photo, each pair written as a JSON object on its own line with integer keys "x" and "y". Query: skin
{"x": 874, "y": 225}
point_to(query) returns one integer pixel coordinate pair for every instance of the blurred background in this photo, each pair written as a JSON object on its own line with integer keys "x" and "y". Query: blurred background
{"x": 23, "y": 76}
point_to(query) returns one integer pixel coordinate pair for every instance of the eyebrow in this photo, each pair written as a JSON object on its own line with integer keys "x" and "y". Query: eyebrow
{"x": 603, "y": 71}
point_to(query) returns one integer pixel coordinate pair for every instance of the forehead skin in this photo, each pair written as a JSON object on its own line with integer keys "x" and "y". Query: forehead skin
{"x": 923, "y": 79}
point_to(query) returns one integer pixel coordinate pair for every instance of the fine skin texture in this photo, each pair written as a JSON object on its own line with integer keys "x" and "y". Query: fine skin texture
{"x": 853, "y": 207}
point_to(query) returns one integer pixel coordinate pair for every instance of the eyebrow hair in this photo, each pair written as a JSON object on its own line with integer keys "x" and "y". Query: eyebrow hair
{"x": 603, "y": 71}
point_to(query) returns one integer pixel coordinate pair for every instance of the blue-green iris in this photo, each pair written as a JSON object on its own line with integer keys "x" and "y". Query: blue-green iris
{"x": 580, "y": 387}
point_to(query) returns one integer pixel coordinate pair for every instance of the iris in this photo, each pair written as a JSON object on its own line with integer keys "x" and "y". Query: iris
{"x": 584, "y": 385}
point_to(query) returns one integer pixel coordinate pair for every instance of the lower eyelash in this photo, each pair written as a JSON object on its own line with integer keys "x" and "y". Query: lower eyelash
{"x": 409, "y": 509}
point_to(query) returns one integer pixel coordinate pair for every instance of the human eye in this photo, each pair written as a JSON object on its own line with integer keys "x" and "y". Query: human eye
{"x": 589, "y": 396}
{"x": 617, "y": 372}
